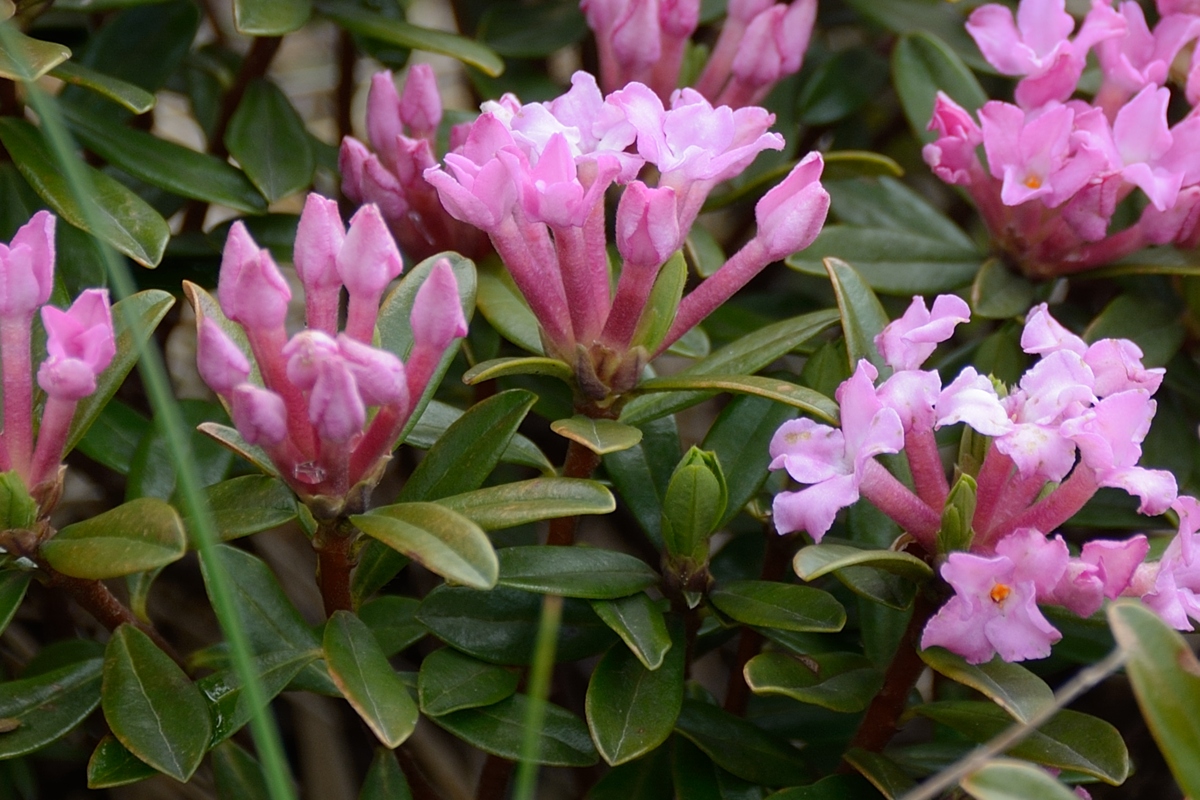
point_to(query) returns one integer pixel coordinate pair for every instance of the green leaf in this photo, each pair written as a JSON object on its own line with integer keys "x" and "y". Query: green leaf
{"x": 270, "y": 17}
{"x": 148, "y": 309}
{"x": 862, "y": 316}
{"x": 922, "y": 65}
{"x": 112, "y": 765}
{"x": 437, "y": 419}
{"x": 500, "y": 626}
{"x": 890, "y": 261}
{"x": 747, "y": 355}
{"x": 113, "y": 437}
{"x": 23, "y": 58}
{"x": 1070, "y": 740}
{"x": 517, "y": 30}
{"x": 640, "y": 624}
{"x": 662, "y": 304}
{"x": 450, "y": 681}
{"x": 888, "y": 204}
{"x": 164, "y": 164}
{"x": 563, "y": 740}
{"x": 140, "y": 535}
{"x": 601, "y": 436}
{"x": 844, "y": 682}
{"x": 143, "y": 46}
{"x": 786, "y": 606}
{"x": 696, "y": 777}
{"x": 740, "y": 746}
{"x": 249, "y": 504}
{"x": 843, "y": 164}
{"x": 740, "y": 437}
{"x": 151, "y": 706}
{"x": 18, "y": 510}
{"x": 1166, "y": 680}
{"x": 470, "y": 449}
{"x": 12, "y": 591}
{"x": 442, "y": 540}
{"x": 803, "y": 398}
{"x": 884, "y": 774}
{"x": 393, "y": 621}
{"x": 132, "y": 97}
{"x": 230, "y": 439}
{"x": 1012, "y": 687}
{"x": 505, "y": 309}
{"x": 647, "y": 778}
{"x": 821, "y": 559}
{"x": 692, "y": 508}
{"x": 393, "y": 31}
{"x": 522, "y": 502}
{"x": 270, "y": 142}
{"x": 841, "y": 85}
{"x": 642, "y": 473}
{"x": 121, "y": 218}
{"x": 385, "y": 780}
{"x": 1155, "y": 327}
{"x": 587, "y": 572}
{"x": 153, "y": 471}
{"x": 229, "y": 704}
{"x": 630, "y": 709}
{"x": 524, "y": 365}
{"x": 1000, "y": 293}
{"x": 834, "y": 787}
{"x": 47, "y": 706}
{"x": 367, "y": 680}
{"x": 395, "y": 329}
{"x": 237, "y": 775}
{"x": 1003, "y": 779}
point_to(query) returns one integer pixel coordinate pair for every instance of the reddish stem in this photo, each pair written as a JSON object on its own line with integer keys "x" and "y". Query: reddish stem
{"x": 580, "y": 463}
{"x": 333, "y": 543}
{"x": 929, "y": 477}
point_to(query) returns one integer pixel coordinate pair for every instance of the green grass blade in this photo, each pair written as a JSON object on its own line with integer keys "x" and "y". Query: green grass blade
{"x": 539, "y": 688}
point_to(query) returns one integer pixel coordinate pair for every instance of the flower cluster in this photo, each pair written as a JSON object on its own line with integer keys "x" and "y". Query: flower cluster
{"x": 1074, "y": 423}
{"x": 80, "y": 343}
{"x": 402, "y": 130}
{"x": 307, "y": 402}
{"x": 1057, "y": 167}
{"x": 761, "y": 43}
{"x": 534, "y": 177}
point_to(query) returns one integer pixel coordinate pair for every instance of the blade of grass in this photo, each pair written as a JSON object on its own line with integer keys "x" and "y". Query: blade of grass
{"x": 539, "y": 688}
{"x": 170, "y": 421}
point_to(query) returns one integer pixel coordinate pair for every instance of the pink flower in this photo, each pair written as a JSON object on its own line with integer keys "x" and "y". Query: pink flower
{"x": 27, "y": 267}
{"x": 437, "y": 316}
{"x": 221, "y": 362}
{"x": 81, "y": 344}
{"x": 251, "y": 289}
{"x": 907, "y": 342}
{"x": 791, "y": 213}
{"x": 420, "y": 106}
{"x": 952, "y": 156}
{"x": 259, "y": 415}
{"x": 971, "y": 398}
{"x": 647, "y": 227}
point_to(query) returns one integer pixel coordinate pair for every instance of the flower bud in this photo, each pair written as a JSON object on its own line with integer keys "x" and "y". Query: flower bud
{"x": 304, "y": 353}
{"x": 647, "y": 225}
{"x": 259, "y": 415}
{"x": 334, "y": 406}
{"x": 27, "y": 267}
{"x": 221, "y": 362}
{"x": 319, "y": 237}
{"x": 791, "y": 214}
{"x": 83, "y": 332}
{"x": 420, "y": 102}
{"x": 368, "y": 259}
{"x": 378, "y": 374}
{"x": 250, "y": 288}
{"x": 693, "y": 506}
{"x": 437, "y": 316}
{"x": 383, "y": 115}
{"x": 957, "y": 514}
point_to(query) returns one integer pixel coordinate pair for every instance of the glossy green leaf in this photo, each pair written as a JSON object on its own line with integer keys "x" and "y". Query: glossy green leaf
{"x": 151, "y": 706}
{"x": 451, "y": 681}
{"x": 640, "y": 624}
{"x": 816, "y": 560}
{"x": 740, "y": 437}
{"x": 271, "y": 622}
{"x": 697, "y": 777}
{"x": 112, "y": 765}
{"x": 505, "y": 309}
{"x": 884, "y": 774}
{"x": 1148, "y": 261}
{"x": 601, "y": 436}
{"x": 470, "y": 449}
{"x": 367, "y": 680}
{"x": 500, "y": 626}
{"x": 148, "y": 308}
{"x": 437, "y": 419}
{"x": 165, "y": 164}
{"x": 228, "y": 703}
{"x": 862, "y": 315}
{"x": 12, "y": 591}
{"x": 1151, "y": 324}
{"x": 1166, "y": 680}
{"x": 642, "y": 473}
{"x": 803, "y": 398}
{"x": 842, "y": 85}
{"x": 132, "y": 97}
{"x": 1012, "y": 687}
{"x": 662, "y": 304}
{"x": 786, "y": 606}
{"x": 154, "y": 473}
{"x": 843, "y": 682}
{"x": 237, "y": 774}
{"x": 137, "y": 536}
{"x": 891, "y": 262}
{"x": 232, "y": 440}
{"x": 889, "y": 204}
{"x": 740, "y": 746}
{"x": 878, "y": 586}
{"x": 647, "y": 778}
{"x": 143, "y": 46}
{"x": 401, "y": 34}
{"x": 47, "y": 706}
{"x": 23, "y": 58}
{"x": 442, "y": 540}
{"x": 385, "y": 780}
{"x": 746, "y": 355}
{"x": 588, "y": 572}
{"x": 1003, "y": 779}
{"x": 249, "y": 504}
{"x": 922, "y": 65}
{"x": 563, "y": 740}
{"x": 270, "y": 17}
{"x": 395, "y": 329}
{"x": 524, "y": 365}
{"x": 393, "y": 621}
{"x": 1070, "y": 740}
{"x": 834, "y": 787}
{"x": 516, "y": 30}
{"x": 270, "y": 142}
{"x": 843, "y": 164}
{"x": 113, "y": 436}
{"x": 522, "y": 502}
{"x": 999, "y": 293}
{"x": 630, "y": 709}
{"x": 121, "y": 218}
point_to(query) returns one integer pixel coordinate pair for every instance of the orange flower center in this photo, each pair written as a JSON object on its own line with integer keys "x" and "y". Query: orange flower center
{"x": 999, "y": 592}
{"x": 1033, "y": 182}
